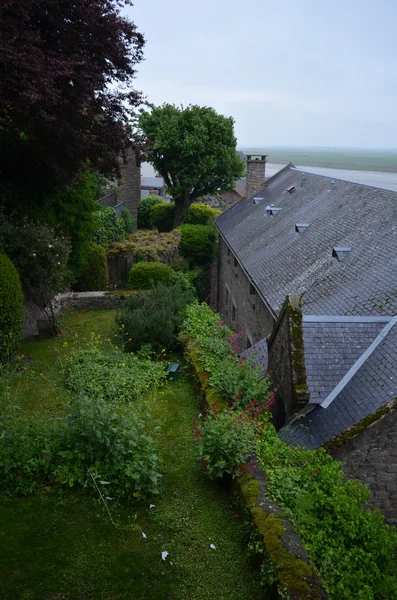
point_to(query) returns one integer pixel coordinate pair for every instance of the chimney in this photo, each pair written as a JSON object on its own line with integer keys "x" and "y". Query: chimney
{"x": 256, "y": 165}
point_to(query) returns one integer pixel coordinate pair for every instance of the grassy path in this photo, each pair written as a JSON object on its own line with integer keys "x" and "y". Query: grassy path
{"x": 55, "y": 546}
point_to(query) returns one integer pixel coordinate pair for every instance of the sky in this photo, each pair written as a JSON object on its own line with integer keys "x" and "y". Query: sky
{"x": 290, "y": 73}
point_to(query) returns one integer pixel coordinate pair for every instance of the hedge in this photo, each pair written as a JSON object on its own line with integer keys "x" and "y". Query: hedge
{"x": 145, "y": 275}
{"x": 144, "y": 210}
{"x": 11, "y": 309}
{"x": 162, "y": 216}
{"x": 198, "y": 244}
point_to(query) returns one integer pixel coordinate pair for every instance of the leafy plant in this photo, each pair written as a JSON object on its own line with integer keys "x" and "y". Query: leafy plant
{"x": 198, "y": 244}
{"x": 352, "y": 547}
{"x": 154, "y": 317}
{"x": 11, "y": 309}
{"x": 144, "y": 276}
{"x": 144, "y": 211}
{"x": 162, "y": 216}
{"x": 225, "y": 440}
{"x": 114, "y": 375}
{"x": 95, "y": 274}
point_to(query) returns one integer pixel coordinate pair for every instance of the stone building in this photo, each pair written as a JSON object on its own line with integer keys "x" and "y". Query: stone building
{"x": 309, "y": 265}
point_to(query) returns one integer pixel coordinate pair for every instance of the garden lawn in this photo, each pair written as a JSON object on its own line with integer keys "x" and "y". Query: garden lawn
{"x": 64, "y": 545}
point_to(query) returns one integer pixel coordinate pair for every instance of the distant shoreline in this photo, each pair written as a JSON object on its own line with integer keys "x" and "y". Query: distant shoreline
{"x": 384, "y": 161}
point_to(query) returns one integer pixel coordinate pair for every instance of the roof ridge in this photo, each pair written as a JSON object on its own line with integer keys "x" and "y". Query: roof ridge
{"x": 358, "y": 364}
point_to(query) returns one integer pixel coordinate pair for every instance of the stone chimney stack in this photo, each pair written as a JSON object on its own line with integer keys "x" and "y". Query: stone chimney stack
{"x": 256, "y": 165}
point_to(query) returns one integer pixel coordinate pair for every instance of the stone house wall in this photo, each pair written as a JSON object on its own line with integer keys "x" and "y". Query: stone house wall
{"x": 241, "y": 307}
{"x": 129, "y": 191}
{"x": 371, "y": 457}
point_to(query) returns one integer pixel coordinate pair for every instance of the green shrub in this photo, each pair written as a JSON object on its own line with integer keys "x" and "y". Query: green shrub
{"x": 144, "y": 275}
{"x": 225, "y": 440}
{"x": 113, "y": 375}
{"x": 162, "y": 216}
{"x": 148, "y": 245}
{"x": 95, "y": 275}
{"x": 11, "y": 309}
{"x": 198, "y": 244}
{"x": 144, "y": 211}
{"x": 108, "y": 228}
{"x": 201, "y": 214}
{"x": 240, "y": 381}
{"x": 93, "y": 441}
{"x": 353, "y": 549}
{"x": 154, "y": 317}
{"x": 126, "y": 222}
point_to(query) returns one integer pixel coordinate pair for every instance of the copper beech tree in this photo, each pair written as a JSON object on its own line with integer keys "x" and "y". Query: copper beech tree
{"x": 66, "y": 87}
{"x": 193, "y": 149}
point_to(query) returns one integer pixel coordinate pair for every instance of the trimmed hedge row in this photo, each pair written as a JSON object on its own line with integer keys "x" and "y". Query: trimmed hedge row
{"x": 11, "y": 309}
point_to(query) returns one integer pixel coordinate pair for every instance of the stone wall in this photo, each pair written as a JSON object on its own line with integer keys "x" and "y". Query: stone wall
{"x": 371, "y": 457}
{"x": 286, "y": 357}
{"x": 240, "y": 305}
{"x": 129, "y": 191}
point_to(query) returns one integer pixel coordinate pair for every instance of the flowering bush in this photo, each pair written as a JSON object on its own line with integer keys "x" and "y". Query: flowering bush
{"x": 240, "y": 379}
{"x": 40, "y": 257}
{"x": 225, "y": 440}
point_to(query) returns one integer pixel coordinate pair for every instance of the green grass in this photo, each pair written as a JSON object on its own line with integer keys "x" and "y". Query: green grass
{"x": 55, "y": 545}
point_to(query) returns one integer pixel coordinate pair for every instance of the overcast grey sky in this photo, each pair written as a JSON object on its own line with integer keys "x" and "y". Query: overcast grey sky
{"x": 308, "y": 72}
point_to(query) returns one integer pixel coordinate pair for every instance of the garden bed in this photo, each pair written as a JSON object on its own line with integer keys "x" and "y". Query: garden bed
{"x": 62, "y": 543}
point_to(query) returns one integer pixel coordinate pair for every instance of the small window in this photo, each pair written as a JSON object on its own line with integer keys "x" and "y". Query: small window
{"x": 233, "y": 313}
{"x": 249, "y": 344}
{"x": 252, "y": 289}
{"x": 227, "y": 297}
{"x": 235, "y": 262}
{"x": 228, "y": 251}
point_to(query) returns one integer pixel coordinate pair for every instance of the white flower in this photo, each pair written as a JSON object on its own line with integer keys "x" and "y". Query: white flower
{"x": 144, "y": 536}
{"x": 213, "y": 547}
{"x": 164, "y": 555}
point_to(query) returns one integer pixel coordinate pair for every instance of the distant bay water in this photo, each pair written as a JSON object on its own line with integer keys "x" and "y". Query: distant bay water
{"x": 377, "y": 168}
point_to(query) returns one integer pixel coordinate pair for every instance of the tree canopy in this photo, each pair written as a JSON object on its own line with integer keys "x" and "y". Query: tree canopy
{"x": 66, "y": 73}
{"x": 193, "y": 149}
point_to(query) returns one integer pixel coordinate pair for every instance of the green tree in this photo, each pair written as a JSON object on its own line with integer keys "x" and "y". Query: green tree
{"x": 193, "y": 149}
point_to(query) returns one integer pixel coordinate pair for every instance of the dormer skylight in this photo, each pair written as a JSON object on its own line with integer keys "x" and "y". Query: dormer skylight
{"x": 272, "y": 210}
{"x": 290, "y": 189}
{"x": 257, "y": 200}
{"x": 300, "y": 227}
{"x": 340, "y": 252}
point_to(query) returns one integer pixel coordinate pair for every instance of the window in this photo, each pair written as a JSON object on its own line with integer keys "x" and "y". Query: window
{"x": 252, "y": 289}
{"x": 227, "y": 298}
{"x": 228, "y": 251}
{"x": 233, "y": 312}
{"x": 235, "y": 262}
{"x": 249, "y": 344}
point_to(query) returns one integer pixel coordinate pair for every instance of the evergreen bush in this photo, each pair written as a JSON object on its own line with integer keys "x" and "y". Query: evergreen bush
{"x": 154, "y": 317}
{"x": 162, "y": 216}
{"x": 198, "y": 244}
{"x": 11, "y": 308}
{"x": 201, "y": 214}
{"x": 95, "y": 275}
{"x": 145, "y": 275}
{"x": 144, "y": 210}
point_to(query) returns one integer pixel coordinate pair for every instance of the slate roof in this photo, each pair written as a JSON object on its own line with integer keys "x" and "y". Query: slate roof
{"x": 372, "y": 385}
{"x": 280, "y": 260}
{"x": 260, "y": 354}
{"x": 331, "y": 349}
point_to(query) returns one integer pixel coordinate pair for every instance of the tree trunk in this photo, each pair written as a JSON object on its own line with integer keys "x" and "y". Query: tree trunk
{"x": 181, "y": 207}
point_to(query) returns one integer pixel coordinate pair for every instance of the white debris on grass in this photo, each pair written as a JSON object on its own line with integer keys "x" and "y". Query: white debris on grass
{"x": 212, "y": 546}
{"x": 164, "y": 555}
{"x": 152, "y": 505}
{"x": 144, "y": 536}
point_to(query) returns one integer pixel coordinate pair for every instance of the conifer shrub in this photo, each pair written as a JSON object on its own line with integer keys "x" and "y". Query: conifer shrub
{"x": 95, "y": 275}
{"x": 154, "y": 317}
{"x": 201, "y": 214}
{"x": 145, "y": 275}
{"x": 144, "y": 211}
{"x": 198, "y": 244}
{"x": 11, "y": 308}
{"x": 162, "y": 216}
